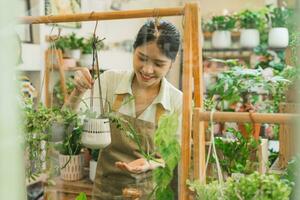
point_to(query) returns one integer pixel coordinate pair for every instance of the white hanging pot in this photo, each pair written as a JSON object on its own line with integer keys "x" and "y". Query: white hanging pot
{"x": 278, "y": 37}
{"x": 96, "y": 133}
{"x": 249, "y": 38}
{"x": 221, "y": 39}
{"x": 86, "y": 60}
{"x": 73, "y": 53}
{"x": 71, "y": 167}
{"x": 93, "y": 168}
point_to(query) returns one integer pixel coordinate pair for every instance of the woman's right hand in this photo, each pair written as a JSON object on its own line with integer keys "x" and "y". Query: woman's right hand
{"x": 83, "y": 80}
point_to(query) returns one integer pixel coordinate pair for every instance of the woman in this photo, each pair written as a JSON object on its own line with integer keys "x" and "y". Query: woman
{"x": 121, "y": 165}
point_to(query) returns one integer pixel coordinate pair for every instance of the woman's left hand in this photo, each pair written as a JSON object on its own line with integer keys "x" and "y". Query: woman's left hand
{"x": 140, "y": 165}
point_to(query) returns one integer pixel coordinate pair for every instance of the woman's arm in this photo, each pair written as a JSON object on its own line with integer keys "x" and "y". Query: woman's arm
{"x": 83, "y": 81}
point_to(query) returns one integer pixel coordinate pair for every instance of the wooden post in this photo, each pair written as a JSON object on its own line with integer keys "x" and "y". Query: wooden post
{"x": 187, "y": 104}
{"x": 198, "y": 126}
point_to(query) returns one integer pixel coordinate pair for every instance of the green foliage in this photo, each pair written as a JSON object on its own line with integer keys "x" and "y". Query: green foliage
{"x": 57, "y": 91}
{"x": 279, "y": 16}
{"x": 250, "y": 19}
{"x": 81, "y": 196}
{"x": 71, "y": 144}
{"x": 292, "y": 174}
{"x": 222, "y": 23}
{"x": 237, "y": 155}
{"x": 68, "y": 42}
{"x": 87, "y": 46}
{"x": 169, "y": 148}
{"x": 249, "y": 187}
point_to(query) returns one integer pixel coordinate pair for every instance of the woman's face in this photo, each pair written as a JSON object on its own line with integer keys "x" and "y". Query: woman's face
{"x": 150, "y": 65}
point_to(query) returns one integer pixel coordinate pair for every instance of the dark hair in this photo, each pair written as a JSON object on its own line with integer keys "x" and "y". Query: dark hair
{"x": 166, "y": 36}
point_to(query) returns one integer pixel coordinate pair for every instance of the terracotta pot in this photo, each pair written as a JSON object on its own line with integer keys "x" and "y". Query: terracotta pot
{"x": 69, "y": 63}
{"x": 71, "y": 167}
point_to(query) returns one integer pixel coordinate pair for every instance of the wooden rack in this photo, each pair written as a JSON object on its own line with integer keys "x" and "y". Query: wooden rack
{"x": 192, "y": 66}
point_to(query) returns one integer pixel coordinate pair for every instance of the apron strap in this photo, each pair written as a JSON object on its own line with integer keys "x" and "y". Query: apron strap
{"x": 119, "y": 100}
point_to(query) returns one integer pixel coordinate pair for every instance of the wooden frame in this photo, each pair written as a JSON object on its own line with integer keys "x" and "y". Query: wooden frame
{"x": 192, "y": 66}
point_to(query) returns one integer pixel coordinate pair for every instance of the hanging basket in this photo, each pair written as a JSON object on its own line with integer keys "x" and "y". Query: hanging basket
{"x": 71, "y": 167}
{"x": 96, "y": 133}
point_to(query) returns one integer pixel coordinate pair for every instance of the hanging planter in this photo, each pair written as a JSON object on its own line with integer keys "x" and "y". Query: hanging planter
{"x": 96, "y": 133}
{"x": 71, "y": 167}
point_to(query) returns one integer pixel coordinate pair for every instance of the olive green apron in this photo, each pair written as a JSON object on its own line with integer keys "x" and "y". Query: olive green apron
{"x": 110, "y": 180}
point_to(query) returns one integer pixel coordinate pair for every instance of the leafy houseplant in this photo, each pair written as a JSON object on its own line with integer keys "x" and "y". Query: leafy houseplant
{"x": 279, "y": 18}
{"x": 73, "y": 46}
{"x": 253, "y": 186}
{"x": 249, "y": 22}
{"x": 222, "y": 25}
{"x": 237, "y": 155}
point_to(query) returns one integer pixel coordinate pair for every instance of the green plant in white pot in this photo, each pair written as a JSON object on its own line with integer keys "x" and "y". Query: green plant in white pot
{"x": 249, "y": 23}
{"x": 71, "y": 160}
{"x": 74, "y": 44}
{"x": 279, "y": 34}
{"x": 86, "y": 59}
{"x": 221, "y": 26}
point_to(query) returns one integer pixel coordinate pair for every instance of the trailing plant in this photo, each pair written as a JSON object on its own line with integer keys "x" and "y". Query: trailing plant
{"x": 249, "y": 187}
{"x": 223, "y": 23}
{"x": 250, "y": 19}
{"x": 237, "y": 154}
{"x": 168, "y": 147}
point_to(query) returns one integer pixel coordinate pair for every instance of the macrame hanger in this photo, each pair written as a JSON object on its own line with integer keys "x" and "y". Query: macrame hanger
{"x": 156, "y": 21}
{"x": 96, "y": 71}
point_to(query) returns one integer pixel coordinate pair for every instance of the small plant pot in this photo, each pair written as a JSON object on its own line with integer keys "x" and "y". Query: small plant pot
{"x": 278, "y": 37}
{"x": 221, "y": 39}
{"x": 96, "y": 133}
{"x": 73, "y": 53}
{"x": 69, "y": 63}
{"x": 249, "y": 38}
{"x": 93, "y": 168}
{"x": 86, "y": 60}
{"x": 71, "y": 167}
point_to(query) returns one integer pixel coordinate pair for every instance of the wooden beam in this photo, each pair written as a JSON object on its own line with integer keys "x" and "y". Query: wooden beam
{"x": 241, "y": 117}
{"x": 110, "y": 15}
{"x": 187, "y": 104}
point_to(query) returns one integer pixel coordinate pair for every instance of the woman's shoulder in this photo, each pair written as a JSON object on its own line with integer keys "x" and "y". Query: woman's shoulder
{"x": 116, "y": 74}
{"x": 175, "y": 96}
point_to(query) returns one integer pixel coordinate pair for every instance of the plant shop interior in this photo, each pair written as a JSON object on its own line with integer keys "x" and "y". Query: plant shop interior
{"x": 153, "y": 99}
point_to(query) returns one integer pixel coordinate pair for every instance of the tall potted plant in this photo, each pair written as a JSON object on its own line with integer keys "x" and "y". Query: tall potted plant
{"x": 279, "y": 34}
{"x": 249, "y": 22}
{"x": 221, "y": 26}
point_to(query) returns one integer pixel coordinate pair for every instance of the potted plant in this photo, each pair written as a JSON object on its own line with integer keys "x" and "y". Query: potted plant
{"x": 279, "y": 34}
{"x": 86, "y": 59}
{"x": 221, "y": 26}
{"x": 93, "y": 163}
{"x": 249, "y": 22}
{"x": 70, "y": 158}
{"x": 72, "y": 48}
